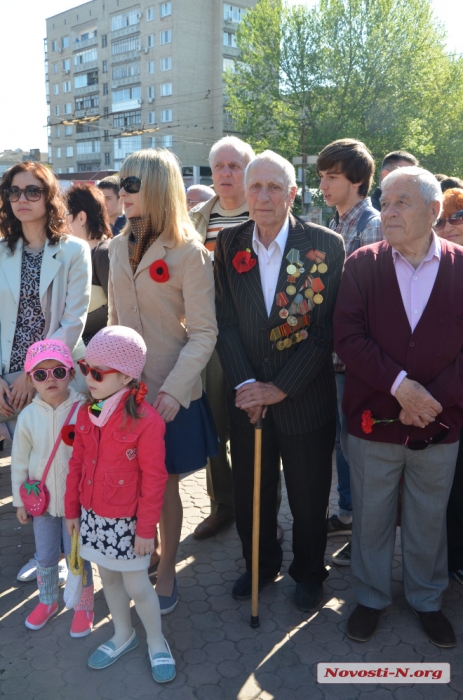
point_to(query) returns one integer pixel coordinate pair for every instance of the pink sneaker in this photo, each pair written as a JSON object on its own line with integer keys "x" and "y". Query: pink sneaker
{"x": 82, "y": 623}
{"x": 40, "y": 616}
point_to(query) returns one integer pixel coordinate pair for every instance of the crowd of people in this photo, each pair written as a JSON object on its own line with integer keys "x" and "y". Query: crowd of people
{"x": 145, "y": 330}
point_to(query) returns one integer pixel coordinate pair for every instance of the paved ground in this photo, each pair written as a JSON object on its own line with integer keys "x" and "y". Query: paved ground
{"x": 219, "y": 657}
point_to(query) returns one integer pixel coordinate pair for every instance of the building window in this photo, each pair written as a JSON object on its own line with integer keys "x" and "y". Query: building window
{"x": 150, "y": 41}
{"x": 69, "y": 169}
{"x": 58, "y": 152}
{"x": 128, "y": 19}
{"x": 85, "y": 147}
{"x": 130, "y": 93}
{"x": 166, "y": 89}
{"x": 85, "y": 79}
{"x": 87, "y": 102}
{"x": 125, "y": 45}
{"x": 65, "y": 42}
{"x": 105, "y": 66}
{"x": 151, "y": 67}
{"x": 104, "y": 41}
{"x": 166, "y": 37}
{"x": 59, "y": 170}
{"x": 152, "y": 117}
{"x": 67, "y": 86}
{"x": 166, "y": 63}
{"x": 55, "y": 68}
{"x": 167, "y": 141}
{"x": 106, "y": 111}
{"x": 123, "y": 147}
{"x": 166, "y": 9}
{"x": 68, "y": 108}
{"x": 106, "y": 135}
{"x": 86, "y": 129}
{"x": 151, "y": 92}
{"x": 127, "y": 118}
{"x": 150, "y": 14}
{"x": 130, "y": 70}
{"x": 67, "y": 64}
{"x": 231, "y": 13}
{"x": 152, "y": 142}
{"x": 107, "y": 158}
{"x": 56, "y": 89}
{"x": 57, "y": 132}
{"x": 166, "y": 115}
{"x": 228, "y": 64}
{"x": 68, "y": 130}
{"x": 69, "y": 151}
{"x": 229, "y": 39}
{"x": 56, "y": 109}
{"x": 54, "y": 45}
{"x": 85, "y": 57}
{"x": 86, "y": 167}
{"x": 105, "y": 89}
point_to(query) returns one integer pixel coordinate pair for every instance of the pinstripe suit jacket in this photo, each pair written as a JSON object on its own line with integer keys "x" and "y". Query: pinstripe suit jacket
{"x": 304, "y": 371}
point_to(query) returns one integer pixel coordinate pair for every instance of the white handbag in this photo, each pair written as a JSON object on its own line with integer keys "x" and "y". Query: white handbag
{"x": 76, "y": 575}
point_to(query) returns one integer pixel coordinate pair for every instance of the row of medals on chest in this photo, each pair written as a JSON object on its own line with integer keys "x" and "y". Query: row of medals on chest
{"x": 293, "y": 330}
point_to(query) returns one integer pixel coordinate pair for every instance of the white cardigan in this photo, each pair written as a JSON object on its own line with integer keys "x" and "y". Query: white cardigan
{"x": 35, "y": 435}
{"x": 67, "y": 272}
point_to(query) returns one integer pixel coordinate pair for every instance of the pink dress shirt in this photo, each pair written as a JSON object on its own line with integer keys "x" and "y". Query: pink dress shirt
{"x": 416, "y": 287}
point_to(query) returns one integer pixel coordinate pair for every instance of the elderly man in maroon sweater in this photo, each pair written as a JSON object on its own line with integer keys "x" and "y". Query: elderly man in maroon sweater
{"x": 398, "y": 326}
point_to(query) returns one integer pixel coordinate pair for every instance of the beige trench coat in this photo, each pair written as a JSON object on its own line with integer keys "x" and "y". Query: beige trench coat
{"x": 176, "y": 318}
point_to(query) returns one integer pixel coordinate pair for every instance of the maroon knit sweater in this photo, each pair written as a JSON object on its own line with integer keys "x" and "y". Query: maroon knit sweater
{"x": 372, "y": 336}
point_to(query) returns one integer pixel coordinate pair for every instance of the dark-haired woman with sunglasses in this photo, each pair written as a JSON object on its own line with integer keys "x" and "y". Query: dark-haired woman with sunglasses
{"x": 89, "y": 221}
{"x": 161, "y": 285}
{"x": 44, "y": 281}
{"x": 450, "y": 227}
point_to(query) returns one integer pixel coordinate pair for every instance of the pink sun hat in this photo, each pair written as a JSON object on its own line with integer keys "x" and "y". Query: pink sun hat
{"x": 49, "y": 349}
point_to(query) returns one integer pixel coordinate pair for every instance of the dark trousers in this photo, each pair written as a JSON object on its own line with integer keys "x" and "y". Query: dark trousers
{"x": 307, "y": 469}
{"x": 455, "y": 515}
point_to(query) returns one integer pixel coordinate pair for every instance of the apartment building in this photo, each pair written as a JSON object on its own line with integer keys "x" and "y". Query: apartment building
{"x": 124, "y": 75}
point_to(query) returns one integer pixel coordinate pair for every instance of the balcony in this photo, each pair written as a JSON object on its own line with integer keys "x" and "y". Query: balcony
{"x": 122, "y": 82}
{"x": 90, "y": 112}
{"x": 87, "y": 90}
{"x": 127, "y": 56}
{"x": 79, "y": 45}
{"x": 126, "y": 106}
{"x": 125, "y": 31}
{"x": 87, "y": 135}
{"x": 230, "y": 52}
{"x": 84, "y": 67}
{"x": 86, "y": 157}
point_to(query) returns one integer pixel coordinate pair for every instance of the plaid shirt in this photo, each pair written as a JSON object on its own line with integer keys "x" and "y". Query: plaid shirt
{"x": 346, "y": 225}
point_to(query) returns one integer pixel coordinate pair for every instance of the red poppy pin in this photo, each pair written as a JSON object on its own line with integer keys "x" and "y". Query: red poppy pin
{"x": 68, "y": 433}
{"x": 159, "y": 272}
{"x": 242, "y": 262}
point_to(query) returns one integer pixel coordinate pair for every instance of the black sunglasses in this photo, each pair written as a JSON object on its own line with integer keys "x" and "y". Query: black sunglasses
{"x": 454, "y": 220}
{"x": 131, "y": 184}
{"x": 440, "y": 435}
{"x": 31, "y": 192}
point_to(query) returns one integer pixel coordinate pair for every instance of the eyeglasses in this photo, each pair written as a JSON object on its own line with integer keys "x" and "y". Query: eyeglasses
{"x": 41, "y": 375}
{"x": 31, "y": 192}
{"x": 97, "y": 374}
{"x": 131, "y": 184}
{"x": 454, "y": 220}
{"x": 440, "y": 435}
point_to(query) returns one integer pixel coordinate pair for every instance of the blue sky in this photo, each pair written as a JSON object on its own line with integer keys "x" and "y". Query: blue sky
{"x": 23, "y": 110}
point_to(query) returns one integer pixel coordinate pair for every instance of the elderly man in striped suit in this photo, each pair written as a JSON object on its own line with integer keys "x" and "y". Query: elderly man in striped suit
{"x": 276, "y": 284}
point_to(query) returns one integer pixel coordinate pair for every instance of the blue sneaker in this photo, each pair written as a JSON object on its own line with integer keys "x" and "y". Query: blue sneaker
{"x": 457, "y": 575}
{"x": 163, "y": 665}
{"x": 107, "y": 654}
{"x": 168, "y": 603}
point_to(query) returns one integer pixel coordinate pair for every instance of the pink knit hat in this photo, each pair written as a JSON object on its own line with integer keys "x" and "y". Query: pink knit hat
{"x": 49, "y": 349}
{"x": 118, "y": 347}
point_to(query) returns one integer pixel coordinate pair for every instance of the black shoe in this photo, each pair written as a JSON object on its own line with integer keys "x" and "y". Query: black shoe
{"x": 362, "y": 623}
{"x": 437, "y": 628}
{"x": 309, "y": 596}
{"x": 334, "y": 526}
{"x": 243, "y": 586}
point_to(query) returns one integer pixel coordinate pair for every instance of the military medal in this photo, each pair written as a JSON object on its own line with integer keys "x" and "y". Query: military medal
{"x": 322, "y": 268}
{"x": 291, "y": 269}
{"x": 281, "y": 299}
{"x": 318, "y": 298}
{"x": 313, "y": 269}
{"x": 303, "y": 334}
{"x": 288, "y": 342}
{"x": 298, "y": 298}
{"x": 308, "y": 293}
{"x": 317, "y": 285}
{"x": 284, "y": 313}
{"x": 291, "y": 289}
{"x": 292, "y": 320}
{"x": 281, "y": 345}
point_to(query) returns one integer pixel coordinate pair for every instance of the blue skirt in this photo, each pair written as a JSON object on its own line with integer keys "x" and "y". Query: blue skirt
{"x": 191, "y": 438}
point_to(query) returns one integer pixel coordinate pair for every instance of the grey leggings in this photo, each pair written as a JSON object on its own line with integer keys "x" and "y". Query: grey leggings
{"x": 48, "y": 530}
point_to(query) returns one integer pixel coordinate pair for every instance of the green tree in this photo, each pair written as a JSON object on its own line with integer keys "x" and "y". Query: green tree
{"x": 374, "y": 70}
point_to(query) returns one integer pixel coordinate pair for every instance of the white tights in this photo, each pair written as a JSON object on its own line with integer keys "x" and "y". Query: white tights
{"x": 119, "y": 588}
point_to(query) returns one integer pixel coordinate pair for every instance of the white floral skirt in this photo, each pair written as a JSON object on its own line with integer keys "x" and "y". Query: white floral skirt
{"x": 109, "y": 542}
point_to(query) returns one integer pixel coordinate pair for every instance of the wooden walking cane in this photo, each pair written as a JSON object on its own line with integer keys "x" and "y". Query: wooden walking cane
{"x": 256, "y": 523}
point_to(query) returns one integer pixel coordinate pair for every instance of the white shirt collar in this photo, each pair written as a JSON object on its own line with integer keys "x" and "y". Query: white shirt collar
{"x": 280, "y": 240}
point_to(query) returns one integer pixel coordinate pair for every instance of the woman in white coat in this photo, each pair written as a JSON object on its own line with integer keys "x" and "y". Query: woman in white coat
{"x": 45, "y": 278}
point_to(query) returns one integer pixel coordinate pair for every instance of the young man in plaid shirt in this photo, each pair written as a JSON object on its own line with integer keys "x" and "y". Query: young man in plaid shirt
{"x": 346, "y": 168}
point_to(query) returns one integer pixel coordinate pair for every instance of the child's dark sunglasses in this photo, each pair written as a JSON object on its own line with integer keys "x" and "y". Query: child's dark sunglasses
{"x": 31, "y": 192}
{"x": 131, "y": 184}
{"x": 454, "y": 220}
{"x": 97, "y": 374}
{"x": 440, "y": 435}
{"x": 41, "y": 375}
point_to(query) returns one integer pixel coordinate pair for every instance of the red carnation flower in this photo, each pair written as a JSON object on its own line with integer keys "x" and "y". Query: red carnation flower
{"x": 68, "y": 433}
{"x": 242, "y": 262}
{"x": 159, "y": 272}
{"x": 367, "y": 422}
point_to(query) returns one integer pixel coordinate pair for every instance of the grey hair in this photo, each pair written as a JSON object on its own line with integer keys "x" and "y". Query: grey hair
{"x": 289, "y": 173}
{"x": 204, "y": 190}
{"x": 244, "y": 149}
{"x": 429, "y": 187}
